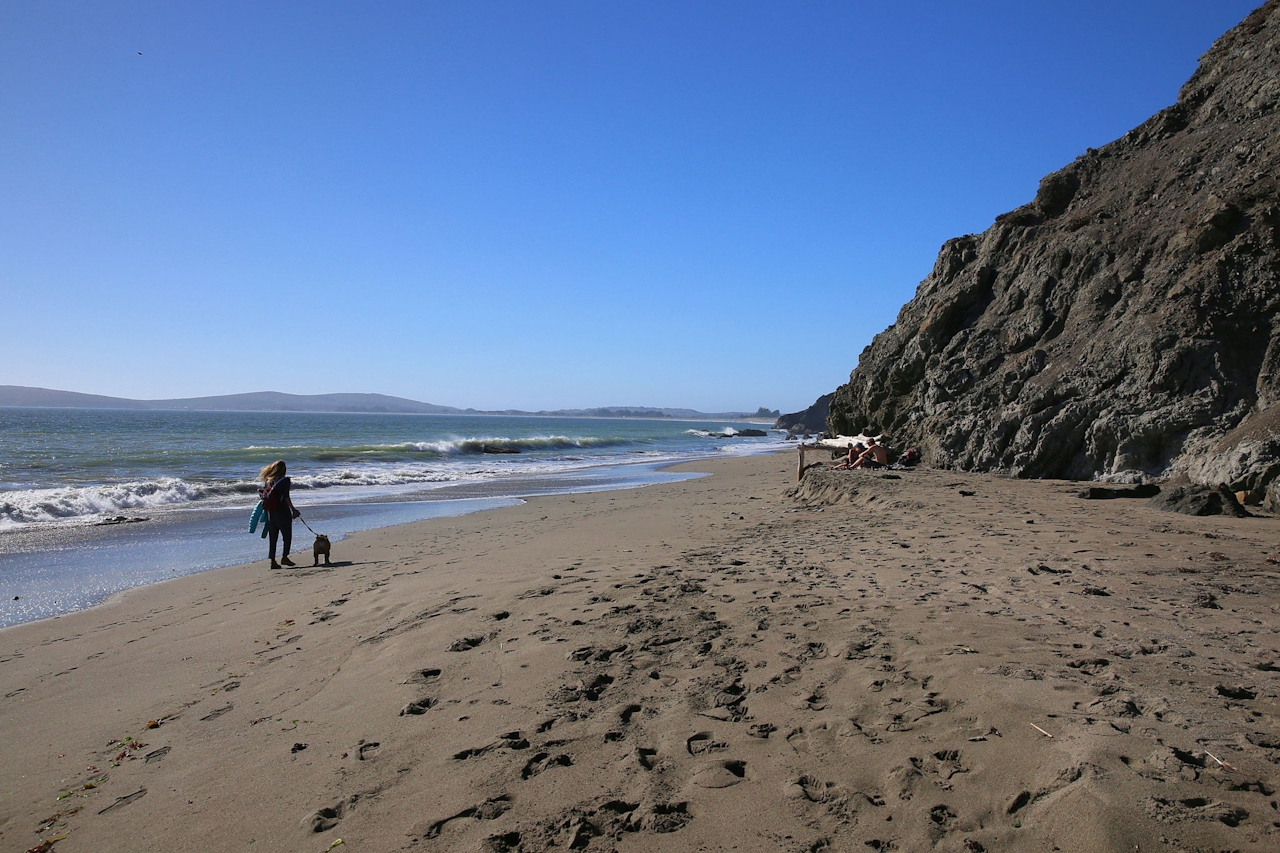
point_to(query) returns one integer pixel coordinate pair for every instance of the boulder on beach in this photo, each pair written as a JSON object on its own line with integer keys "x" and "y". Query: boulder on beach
{"x": 1199, "y": 500}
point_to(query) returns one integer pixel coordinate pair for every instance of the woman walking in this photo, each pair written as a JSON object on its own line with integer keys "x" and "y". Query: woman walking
{"x": 280, "y": 511}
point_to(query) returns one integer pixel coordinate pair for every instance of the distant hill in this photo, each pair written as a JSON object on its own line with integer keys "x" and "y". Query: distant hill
{"x": 275, "y": 401}
{"x": 260, "y": 401}
{"x": 19, "y": 395}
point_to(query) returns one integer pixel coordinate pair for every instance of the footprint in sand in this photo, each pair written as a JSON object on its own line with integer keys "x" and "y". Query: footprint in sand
{"x": 419, "y": 707}
{"x": 587, "y": 688}
{"x": 368, "y": 750}
{"x": 1198, "y": 808}
{"x": 509, "y": 842}
{"x": 510, "y": 740}
{"x": 595, "y": 654}
{"x": 1237, "y": 692}
{"x": 1067, "y": 777}
{"x": 833, "y": 796}
{"x": 787, "y": 676}
{"x": 941, "y": 816}
{"x": 213, "y": 715}
{"x": 665, "y": 681}
{"x": 576, "y": 828}
{"x": 157, "y": 755}
{"x": 488, "y": 810}
{"x": 811, "y": 651}
{"x": 799, "y": 740}
{"x": 815, "y": 700}
{"x": 544, "y": 761}
{"x": 701, "y": 742}
{"x": 466, "y": 643}
{"x": 423, "y": 676}
{"x": 125, "y": 800}
{"x": 325, "y": 818}
{"x": 730, "y": 695}
{"x": 720, "y": 774}
{"x": 904, "y": 779}
{"x": 667, "y": 817}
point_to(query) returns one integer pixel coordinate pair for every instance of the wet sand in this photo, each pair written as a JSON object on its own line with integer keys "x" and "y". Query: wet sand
{"x": 939, "y": 661}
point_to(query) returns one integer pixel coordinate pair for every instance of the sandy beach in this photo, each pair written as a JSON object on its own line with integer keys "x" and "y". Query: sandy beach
{"x": 916, "y": 660}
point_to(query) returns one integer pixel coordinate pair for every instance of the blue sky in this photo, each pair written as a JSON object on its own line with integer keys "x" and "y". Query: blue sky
{"x": 527, "y": 204}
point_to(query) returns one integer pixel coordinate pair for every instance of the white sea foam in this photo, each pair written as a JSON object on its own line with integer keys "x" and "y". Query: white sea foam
{"x": 371, "y": 477}
{"x": 85, "y": 504}
{"x": 30, "y": 506}
{"x": 452, "y": 446}
{"x": 727, "y": 432}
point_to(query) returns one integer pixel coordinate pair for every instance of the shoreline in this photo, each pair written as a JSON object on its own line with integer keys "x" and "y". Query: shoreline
{"x": 119, "y": 596}
{"x": 724, "y": 662}
{"x": 230, "y": 546}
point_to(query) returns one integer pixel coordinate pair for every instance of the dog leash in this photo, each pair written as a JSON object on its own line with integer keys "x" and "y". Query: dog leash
{"x": 308, "y": 526}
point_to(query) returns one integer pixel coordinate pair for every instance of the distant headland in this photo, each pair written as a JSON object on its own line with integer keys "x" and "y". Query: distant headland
{"x": 276, "y": 401}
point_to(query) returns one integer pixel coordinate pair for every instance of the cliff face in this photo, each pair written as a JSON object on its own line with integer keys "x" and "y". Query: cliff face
{"x": 812, "y": 419}
{"x": 1121, "y": 325}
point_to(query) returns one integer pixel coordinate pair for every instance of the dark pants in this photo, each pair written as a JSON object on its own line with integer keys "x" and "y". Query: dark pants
{"x": 279, "y": 523}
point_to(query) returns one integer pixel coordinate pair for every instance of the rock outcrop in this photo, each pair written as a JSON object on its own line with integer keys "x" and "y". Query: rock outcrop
{"x": 1123, "y": 324}
{"x": 811, "y": 420}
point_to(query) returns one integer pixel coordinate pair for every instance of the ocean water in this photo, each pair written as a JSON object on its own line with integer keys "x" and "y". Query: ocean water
{"x": 184, "y": 482}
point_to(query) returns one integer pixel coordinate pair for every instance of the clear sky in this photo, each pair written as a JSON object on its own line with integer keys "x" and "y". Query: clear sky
{"x": 534, "y": 205}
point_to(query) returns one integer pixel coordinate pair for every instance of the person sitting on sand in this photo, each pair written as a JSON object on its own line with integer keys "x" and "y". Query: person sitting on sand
{"x": 855, "y": 448}
{"x": 280, "y": 510}
{"x": 874, "y": 456}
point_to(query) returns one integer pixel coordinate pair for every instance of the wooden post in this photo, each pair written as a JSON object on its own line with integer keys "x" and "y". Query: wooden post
{"x": 800, "y": 468}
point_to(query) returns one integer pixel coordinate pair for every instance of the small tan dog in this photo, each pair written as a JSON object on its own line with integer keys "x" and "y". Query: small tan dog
{"x": 321, "y": 547}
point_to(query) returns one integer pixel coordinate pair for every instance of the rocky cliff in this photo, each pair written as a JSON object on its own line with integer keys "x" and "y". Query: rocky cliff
{"x": 811, "y": 420}
{"x": 1123, "y": 324}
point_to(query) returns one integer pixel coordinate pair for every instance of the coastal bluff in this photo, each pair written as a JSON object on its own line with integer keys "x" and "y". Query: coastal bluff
{"x": 1122, "y": 325}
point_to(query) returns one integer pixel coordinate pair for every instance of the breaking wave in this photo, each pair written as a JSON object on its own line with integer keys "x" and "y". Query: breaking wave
{"x": 89, "y": 503}
{"x": 441, "y": 448}
{"x": 451, "y": 447}
{"x": 31, "y": 506}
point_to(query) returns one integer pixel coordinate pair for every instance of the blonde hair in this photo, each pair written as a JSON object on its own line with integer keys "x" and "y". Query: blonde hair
{"x": 274, "y": 471}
